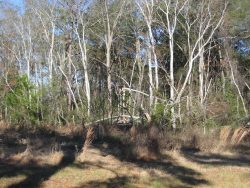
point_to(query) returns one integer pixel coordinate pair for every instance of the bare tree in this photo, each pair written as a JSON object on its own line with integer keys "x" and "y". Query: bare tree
{"x": 205, "y": 21}
{"x": 110, "y": 26}
{"x": 83, "y": 49}
{"x": 172, "y": 11}
{"x": 147, "y": 8}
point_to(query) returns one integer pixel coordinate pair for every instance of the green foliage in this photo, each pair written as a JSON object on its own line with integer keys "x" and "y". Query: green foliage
{"x": 239, "y": 11}
{"x": 21, "y": 101}
{"x": 244, "y": 65}
{"x": 236, "y": 107}
{"x": 210, "y": 123}
{"x": 160, "y": 115}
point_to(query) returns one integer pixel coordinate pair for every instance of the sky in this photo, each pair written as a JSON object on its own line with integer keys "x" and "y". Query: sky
{"x": 18, "y": 3}
{"x": 15, "y": 2}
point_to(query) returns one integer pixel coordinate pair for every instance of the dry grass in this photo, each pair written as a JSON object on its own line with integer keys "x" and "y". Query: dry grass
{"x": 236, "y": 135}
{"x": 219, "y": 176}
{"x": 120, "y": 162}
{"x": 88, "y": 141}
{"x": 99, "y": 170}
{"x": 230, "y": 136}
{"x": 245, "y": 135}
{"x": 226, "y": 134}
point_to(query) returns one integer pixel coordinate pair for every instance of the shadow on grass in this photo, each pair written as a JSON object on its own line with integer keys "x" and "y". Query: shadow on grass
{"x": 35, "y": 174}
{"x": 182, "y": 177}
{"x": 41, "y": 143}
{"x": 187, "y": 176}
{"x": 124, "y": 181}
{"x": 116, "y": 182}
{"x": 215, "y": 159}
{"x": 242, "y": 149}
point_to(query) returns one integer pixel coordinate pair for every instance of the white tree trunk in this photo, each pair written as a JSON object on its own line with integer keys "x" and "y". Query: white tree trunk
{"x": 83, "y": 49}
{"x": 108, "y": 41}
{"x": 237, "y": 86}
{"x": 151, "y": 100}
{"x": 201, "y": 77}
{"x": 147, "y": 10}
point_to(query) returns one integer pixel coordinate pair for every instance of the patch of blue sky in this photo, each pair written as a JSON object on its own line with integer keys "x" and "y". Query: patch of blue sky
{"x": 19, "y": 4}
{"x": 158, "y": 33}
{"x": 242, "y": 47}
{"x": 16, "y": 2}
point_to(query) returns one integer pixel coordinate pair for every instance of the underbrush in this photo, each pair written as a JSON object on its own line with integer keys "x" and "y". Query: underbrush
{"x": 125, "y": 141}
{"x": 147, "y": 142}
{"x": 139, "y": 153}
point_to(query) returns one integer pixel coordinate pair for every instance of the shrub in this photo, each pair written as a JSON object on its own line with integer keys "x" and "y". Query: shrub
{"x": 160, "y": 115}
{"x": 236, "y": 108}
{"x": 21, "y": 100}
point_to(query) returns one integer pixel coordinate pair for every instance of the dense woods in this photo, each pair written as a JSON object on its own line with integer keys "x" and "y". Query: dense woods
{"x": 180, "y": 63}
{"x": 124, "y": 93}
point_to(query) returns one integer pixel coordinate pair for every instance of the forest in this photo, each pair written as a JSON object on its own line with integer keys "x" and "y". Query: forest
{"x": 124, "y": 93}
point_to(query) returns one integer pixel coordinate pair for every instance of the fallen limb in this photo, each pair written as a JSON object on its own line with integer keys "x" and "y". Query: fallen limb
{"x": 111, "y": 118}
{"x": 145, "y": 94}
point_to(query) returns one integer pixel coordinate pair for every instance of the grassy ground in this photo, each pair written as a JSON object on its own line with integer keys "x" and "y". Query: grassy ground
{"x": 103, "y": 166}
{"x": 175, "y": 169}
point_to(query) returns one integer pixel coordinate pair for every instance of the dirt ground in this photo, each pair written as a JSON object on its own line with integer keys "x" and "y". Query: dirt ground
{"x": 52, "y": 160}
